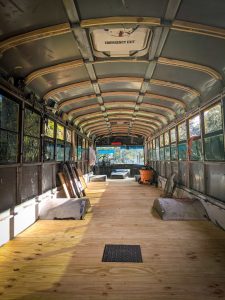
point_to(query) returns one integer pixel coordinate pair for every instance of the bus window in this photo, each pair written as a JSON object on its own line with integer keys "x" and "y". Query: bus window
{"x": 161, "y": 151}
{"x": 68, "y": 146}
{"x": 173, "y": 147}
{"x": 31, "y": 139}
{"x": 182, "y": 137}
{"x": 194, "y": 142}
{"x": 9, "y": 118}
{"x": 167, "y": 147}
{"x": 60, "y": 143}
{"x": 49, "y": 140}
{"x": 213, "y": 133}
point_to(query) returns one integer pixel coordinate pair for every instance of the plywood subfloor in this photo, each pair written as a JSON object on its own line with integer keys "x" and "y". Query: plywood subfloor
{"x": 62, "y": 259}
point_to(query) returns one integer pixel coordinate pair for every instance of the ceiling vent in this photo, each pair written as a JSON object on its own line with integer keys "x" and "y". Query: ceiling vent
{"x": 121, "y": 41}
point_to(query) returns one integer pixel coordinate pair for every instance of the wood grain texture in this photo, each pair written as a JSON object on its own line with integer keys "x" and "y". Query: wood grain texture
{"x": 62, "y": 259}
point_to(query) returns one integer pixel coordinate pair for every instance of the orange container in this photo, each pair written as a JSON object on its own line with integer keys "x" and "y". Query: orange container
{"x": 146, "y": 175}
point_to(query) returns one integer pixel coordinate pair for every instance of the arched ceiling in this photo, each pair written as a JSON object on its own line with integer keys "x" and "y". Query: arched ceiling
{"x": 54, "y": 54}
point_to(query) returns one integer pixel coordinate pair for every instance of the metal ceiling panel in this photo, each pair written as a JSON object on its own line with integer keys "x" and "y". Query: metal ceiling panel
{"x": 42, "y": 85}
{"x": 171, "y": 92}
{"x": 112, "y": 69}
{"x": 22, "y": 16}
{"x": 86, "y": 112}
{"x": 209, "y": 12}
{"x": 202, "y": 82}
{"x": 200, "y": 49}
{"x": 102, "y": 8}
{"x": 73, "y": 93}
{"x": 120, "y": 86}
{"x": 22, "y": 60}
{"x": 79, "y": 104}
{"x": 167, "y": 115}
{"x": 119, "y": 98}
{"x": 149, "y": 100}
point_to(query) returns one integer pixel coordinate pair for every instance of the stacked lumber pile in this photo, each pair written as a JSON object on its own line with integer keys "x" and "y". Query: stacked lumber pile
{"x": 75, "y": 205}
{"x": 72, "y": 181}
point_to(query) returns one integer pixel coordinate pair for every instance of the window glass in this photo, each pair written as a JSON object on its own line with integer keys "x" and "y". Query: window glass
{"x": 9, "y": 122}
{"x": 75, "y": 146}
{"x": 167, "y": 138}
{"x": 31, "y": 149}
{"x": 150, "y": 154}
{"x": 153, "y": 154}
{"x": 32, "y": 123}
{"x": 157, "y": 143}
{"x": 161, "y": 154}
{"x": 173, "y": 152}
{"x": 9, "y": 114}
{"x": 60, "y": 151}
{"x": 68, "y": 151}
{"x": 167, "y": 153}
{"x": 182, "y": 132}
{"x": 8, "y": 147}
{"x": 49, "y": 146}
{"x": 196, "y": 150}
{"x": 182, "y": 151}
{"x": 213, "y": 119}
{"x": 157, "y": 154}
{"x": 120, "y": 155}
{"x": 194, "y": 126}
{"x": 173, "y": 135}
{"x": 161, "y": 140}
{"x": 79, "y": 147}
{"x": 50, "y": 128}
{"x": 153, "y": 144}
{"x": 214, "y": 147}
{"x": 60, "y": 132}
{"x": 31, "y": 139}
{"x": 68, "y": 136}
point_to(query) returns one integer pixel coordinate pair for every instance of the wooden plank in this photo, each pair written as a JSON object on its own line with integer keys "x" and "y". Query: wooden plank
{"x": 62, "y": 259}
{"x": 62, "y": 180}
{"x": 81, "y": 178}
{"x": 69, "y": 180}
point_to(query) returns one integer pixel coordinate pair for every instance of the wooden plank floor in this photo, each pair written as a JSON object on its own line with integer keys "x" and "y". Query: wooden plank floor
{"x": 62, "y": 259}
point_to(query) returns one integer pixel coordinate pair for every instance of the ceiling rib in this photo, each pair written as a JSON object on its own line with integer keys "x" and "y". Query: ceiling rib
{"x": 173, "y": 85}
{"x": 145, "y": 119}
{"x": 52, "y": 69}
{"x": 102, "y": 127}
{"x": 97, "y": 125}
{"x": 158, "y": 41}
{"x": 92, "y": 121}
{"x": 119, "y": 79}
{"x": 162, "y": 120}
{"x": 85, "y": 50}
{"x": 87, "y": 117}
{"x": 149, "y": 21}
{"x": 141, "y": 124}
{"x": 64, "y": 88}
{"x": 34, "y": 36}
{"x": 80, "y": 109}
{"x": 76, "y": 100}
{"x": 111, "y": 94}
{"x": 184, "y": 64}
{"x": 165, "y": 98}
{"x": 198, "y": 29}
